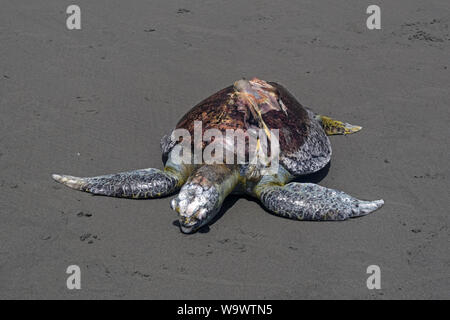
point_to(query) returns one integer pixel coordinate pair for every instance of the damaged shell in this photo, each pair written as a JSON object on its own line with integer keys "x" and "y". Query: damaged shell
{"x": 257, "y": 104}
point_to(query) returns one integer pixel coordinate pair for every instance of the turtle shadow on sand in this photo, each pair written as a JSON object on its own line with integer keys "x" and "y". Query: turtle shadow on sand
{"x": 315, "y": 177}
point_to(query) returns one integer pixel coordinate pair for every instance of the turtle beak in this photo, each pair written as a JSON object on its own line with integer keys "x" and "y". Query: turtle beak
{"x": 190, "y": 225}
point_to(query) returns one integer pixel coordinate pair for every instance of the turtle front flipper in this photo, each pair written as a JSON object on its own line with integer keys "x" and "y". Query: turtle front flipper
{"x": 137, "y": 184}
{"x": 333, "y": 127}
{"x": 308, "y": 201}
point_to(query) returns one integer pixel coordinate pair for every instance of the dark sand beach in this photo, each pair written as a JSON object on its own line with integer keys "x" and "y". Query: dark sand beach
{"x": 97, "y": 100}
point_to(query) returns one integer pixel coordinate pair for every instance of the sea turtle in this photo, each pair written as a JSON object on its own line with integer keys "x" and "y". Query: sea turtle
{"x": 246, "y": 105}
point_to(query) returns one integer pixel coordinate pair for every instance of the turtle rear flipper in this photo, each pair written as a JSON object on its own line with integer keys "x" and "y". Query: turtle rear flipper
{"x": 333, "y": 127}
{"x": 137, "y": 184}
{"x": 308, "y": 201}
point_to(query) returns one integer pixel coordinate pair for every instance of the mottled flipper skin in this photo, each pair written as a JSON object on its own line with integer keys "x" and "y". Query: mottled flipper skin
{"x": 335, "y": 127}
{"x": 308, "y": 201}
{"x": 137, "y": 184}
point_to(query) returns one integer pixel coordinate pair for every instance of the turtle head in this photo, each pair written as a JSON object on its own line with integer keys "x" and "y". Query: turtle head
{"x": 196, "y": 205}
{"x": 200, "y": 199}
